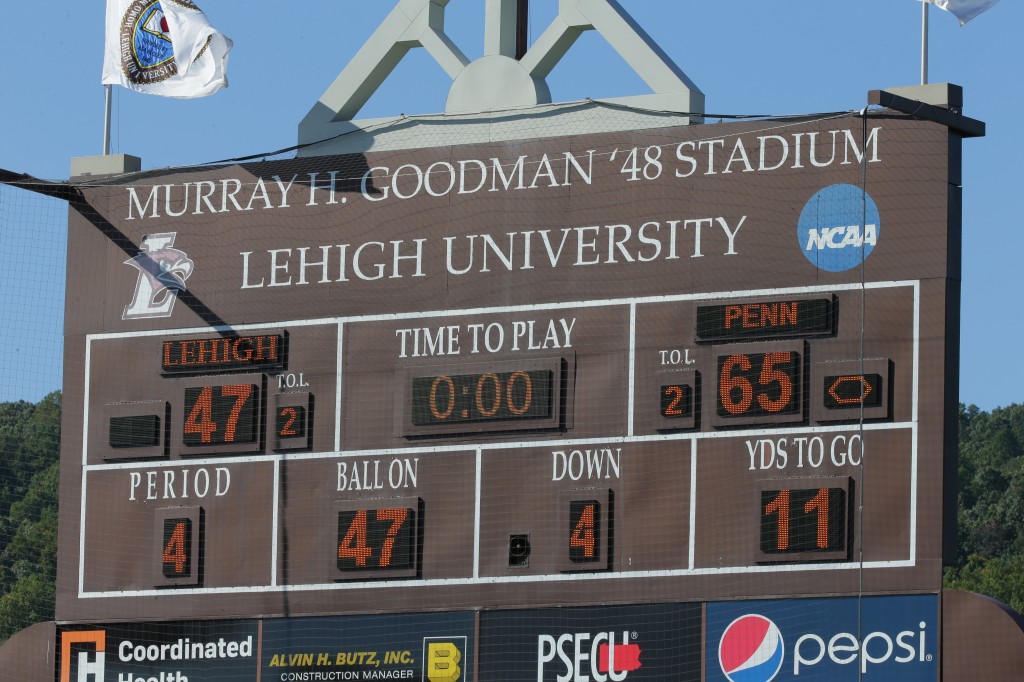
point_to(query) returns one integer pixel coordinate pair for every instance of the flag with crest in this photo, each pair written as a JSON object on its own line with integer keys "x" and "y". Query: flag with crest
{"x": 164, "y": 47}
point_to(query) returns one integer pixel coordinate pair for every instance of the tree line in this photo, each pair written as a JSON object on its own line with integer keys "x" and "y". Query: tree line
{"x": 29, "y": 474}
{"x": 990, "y": 505}
{"x": 990, "y": 510}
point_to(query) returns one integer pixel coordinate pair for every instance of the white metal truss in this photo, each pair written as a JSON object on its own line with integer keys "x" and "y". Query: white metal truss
{"x": 497, "y": 80}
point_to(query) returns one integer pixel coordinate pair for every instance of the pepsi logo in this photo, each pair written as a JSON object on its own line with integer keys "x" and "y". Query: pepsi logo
{"x": 751, "y": 649}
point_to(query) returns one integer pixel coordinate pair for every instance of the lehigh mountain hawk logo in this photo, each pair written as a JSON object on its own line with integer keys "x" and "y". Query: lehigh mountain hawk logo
{"x": 162, "y": 274}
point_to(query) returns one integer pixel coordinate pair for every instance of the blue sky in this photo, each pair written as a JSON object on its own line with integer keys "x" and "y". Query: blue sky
{"x": 748, "y": 56}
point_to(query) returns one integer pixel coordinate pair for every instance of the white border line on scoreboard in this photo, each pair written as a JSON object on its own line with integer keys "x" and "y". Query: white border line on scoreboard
{"x": 338, "y": 380}
{"x": 915, "y": 368}
{"x": 692, "y": 540}
{"x": 498, "y": 580}
{"x": 502, "y": 445}
{"x": 479, "y": 449}
{"x": 631, "y": 380}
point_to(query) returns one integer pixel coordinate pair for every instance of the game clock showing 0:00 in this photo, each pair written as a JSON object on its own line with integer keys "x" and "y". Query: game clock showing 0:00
{"x": 503, "y": 396}
{"x": 487, "y": 397}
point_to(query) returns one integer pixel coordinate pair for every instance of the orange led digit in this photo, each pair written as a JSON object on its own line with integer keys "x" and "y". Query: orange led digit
{"x": 771, "y": 375}
{"x": 676, "y": 401}
{"x": 177, "y": 554}
{"x": 527, "y": 392}
{"x": 488, "y": 411}
{"x": 819, "y": 504}
{"x": 397, "y": 517}
{"x": 585, "y": 520}
{"x": 199, "y": 419}
{"x": 780, "y": 507}
{"x": 353, "y": 544}
{"x": 442, "y": 414}
{"x": 241, "y": 393}
{"x": 289, "y": 415}
{"x": 735, "y": 393}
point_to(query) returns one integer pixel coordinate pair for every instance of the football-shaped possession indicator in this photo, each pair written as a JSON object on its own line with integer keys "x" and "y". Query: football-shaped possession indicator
{"x": 853, "y": 390}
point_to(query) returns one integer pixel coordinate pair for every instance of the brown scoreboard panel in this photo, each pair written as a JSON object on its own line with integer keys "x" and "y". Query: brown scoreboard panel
{"x": 591, "y": 370}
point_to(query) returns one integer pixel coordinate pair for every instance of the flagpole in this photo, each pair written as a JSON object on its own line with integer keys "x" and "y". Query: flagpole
{"x": 924, "y": 42}
{"x": 106, "y": 120}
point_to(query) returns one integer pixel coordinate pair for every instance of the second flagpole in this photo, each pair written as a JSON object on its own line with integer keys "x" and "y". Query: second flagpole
{"x": 924, "y": 42}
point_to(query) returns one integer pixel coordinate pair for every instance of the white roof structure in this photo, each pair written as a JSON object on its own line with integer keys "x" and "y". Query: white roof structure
{"x": 496, "y": 97}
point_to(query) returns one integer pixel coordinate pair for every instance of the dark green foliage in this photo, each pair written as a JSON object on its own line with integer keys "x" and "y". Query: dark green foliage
{"x": 990, "y": 546}
{"x": 29, "y": 469}
{"x": 1000, "y": 577}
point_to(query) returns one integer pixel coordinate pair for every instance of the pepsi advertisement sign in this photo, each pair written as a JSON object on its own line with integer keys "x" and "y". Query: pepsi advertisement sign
{"x": 592, "y": 644}
{"x": 879, "y": 639}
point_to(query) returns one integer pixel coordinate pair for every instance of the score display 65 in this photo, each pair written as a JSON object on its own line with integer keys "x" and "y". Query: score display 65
{"x": 760, "y": 386}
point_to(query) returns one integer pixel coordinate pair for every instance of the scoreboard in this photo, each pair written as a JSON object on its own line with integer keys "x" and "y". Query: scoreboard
{"x": 655, "y": 367}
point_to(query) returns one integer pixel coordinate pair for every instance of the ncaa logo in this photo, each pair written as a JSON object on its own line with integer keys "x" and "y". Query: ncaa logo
{"x": 838, "y": 228}
{"x": 751, "y": 649}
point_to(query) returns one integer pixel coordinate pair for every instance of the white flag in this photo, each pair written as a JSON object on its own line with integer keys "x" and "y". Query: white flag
{"x": 964, "y": 10}
{"x": 164, "y": 47}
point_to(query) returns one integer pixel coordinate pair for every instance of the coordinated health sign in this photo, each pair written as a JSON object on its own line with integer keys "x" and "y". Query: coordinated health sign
{"x": 225, "y": 651}
{"x": 879, "y": 639}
